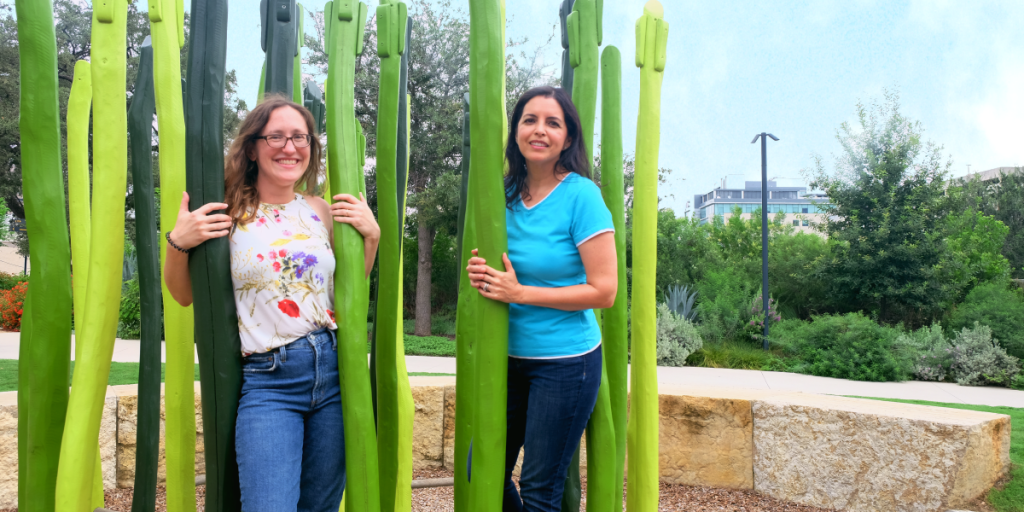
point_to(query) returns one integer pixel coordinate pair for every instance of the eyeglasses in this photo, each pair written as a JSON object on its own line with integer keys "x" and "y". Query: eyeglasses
{"x": 301, "y": 140}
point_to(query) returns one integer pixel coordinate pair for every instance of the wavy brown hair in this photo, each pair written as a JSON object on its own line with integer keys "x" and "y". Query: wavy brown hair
{"x": 240, "y": 171}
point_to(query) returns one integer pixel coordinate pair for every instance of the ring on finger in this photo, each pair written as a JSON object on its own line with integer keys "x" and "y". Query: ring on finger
{"x": 487, "y": 287}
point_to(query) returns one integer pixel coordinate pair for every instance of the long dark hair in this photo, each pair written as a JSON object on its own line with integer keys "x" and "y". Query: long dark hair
{"x": 572, "y": 159}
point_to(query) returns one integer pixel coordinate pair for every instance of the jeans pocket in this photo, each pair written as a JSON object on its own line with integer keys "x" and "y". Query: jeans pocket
{"x": 260, "y": 363}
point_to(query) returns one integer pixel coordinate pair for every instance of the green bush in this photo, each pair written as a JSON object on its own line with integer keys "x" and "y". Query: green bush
{"x": 677, "y": 338}
{"x": 978, "y": 360}
{"x": 850, "y": 346}
{"x": 995, "y": 305}
{"x": 129, "y": 322}
{"x": 929, "y": 350}
{"x": 8, "y": 281}
{"x": 736, "y": 355}
{"x": 724, "y": 298}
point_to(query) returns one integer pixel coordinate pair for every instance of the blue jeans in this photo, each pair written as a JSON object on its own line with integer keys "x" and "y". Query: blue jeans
{"x": 289, "y": 438}
{"x": 549, "y": 404}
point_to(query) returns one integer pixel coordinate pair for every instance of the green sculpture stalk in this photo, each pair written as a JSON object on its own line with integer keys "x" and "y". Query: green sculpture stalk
{"x": 79, "y": 107}
{"x": 76, "y": 473}
{"x": 216, "y": 321}
{"x": 351, "y": 288}
{"x": 563, "y": 14}
{"x": 297, "y": 60}
{"x": 642, "y": 432}
{"x": 482, "y": 326}
{"x": 166, "y": 26}
{"x": 392, "y": 404}
{"x": 45, "y": 348}
{"x": 584, "y": 32}
{"x": 464, "y": 170}
{"x": 147, "y": 242}
{"x": 279, "y": 24}
{"x": 615, "y": 341}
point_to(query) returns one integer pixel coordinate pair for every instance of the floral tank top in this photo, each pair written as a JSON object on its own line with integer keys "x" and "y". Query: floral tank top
{"x": 282, "y": 270}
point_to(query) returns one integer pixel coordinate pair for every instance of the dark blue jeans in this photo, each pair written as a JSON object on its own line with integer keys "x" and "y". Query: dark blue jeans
{"x": 289, "y": 439}
{"x": 549, "y": 404}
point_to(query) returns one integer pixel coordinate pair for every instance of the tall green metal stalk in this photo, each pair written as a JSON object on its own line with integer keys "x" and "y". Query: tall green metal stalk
{"x": 351, "y": 288}
{"x": 216, "y": 320}
{"x": 45, "y": 348}
{"x": 76, "y": 473}
{"x": 279, "y": 23}
{"x": 79, "y": 108}
{"x": 167, "y": 28}
{"x": 563, "y": 14}
{"x": 584, "y": 32}
{"x": 300, "y": 41}
{"x": 392, "y": 404}
{"x": 482, "y": 326}
{"x": 464, "y": 170}
{"x": 147, "y": 243}
{"x": 642, "y": 432}
{"x": 615, "y": 341}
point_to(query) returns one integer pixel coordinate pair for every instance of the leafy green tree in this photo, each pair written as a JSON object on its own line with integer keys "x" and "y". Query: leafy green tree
{"x": 994, "y": 305}
{"x": 1002, "y": 199}
{"x": 885, "y": 217}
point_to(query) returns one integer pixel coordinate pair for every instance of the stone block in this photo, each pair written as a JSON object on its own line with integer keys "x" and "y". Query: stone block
{"x": 449, "y": 427}
{"x": 861, "y": 455}
{"x": 428, "y": 427}
{"x": 9, "y": 455}
{"x": 108, "y": 442}
{"x": 706, "y": 441}
{"x": 127, "y": 416}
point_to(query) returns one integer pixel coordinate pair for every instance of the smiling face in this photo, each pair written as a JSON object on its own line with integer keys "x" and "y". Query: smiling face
{"x": 282, "y": 167}
{"x": 541, "y": 133}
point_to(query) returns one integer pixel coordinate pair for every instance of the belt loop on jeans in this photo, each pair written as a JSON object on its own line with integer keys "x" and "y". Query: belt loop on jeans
{"x": 283, "y": 353}
{"x": 334, "y": 336}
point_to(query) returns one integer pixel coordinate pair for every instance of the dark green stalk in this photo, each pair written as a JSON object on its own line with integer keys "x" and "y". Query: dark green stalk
{"x": 279, "y": 25}
{"x": 216, "y": 321}
{"x": 464, "y": 169}
{"x": 147, "y": 242}
{"x": 482, "y": 326}
{"x": 563, "y": 13}
{"x": 45, "y": 348}
{"x": 351, "y": 292}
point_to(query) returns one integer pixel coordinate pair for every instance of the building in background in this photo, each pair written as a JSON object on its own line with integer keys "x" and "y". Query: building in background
{"x": 802, "y": 209}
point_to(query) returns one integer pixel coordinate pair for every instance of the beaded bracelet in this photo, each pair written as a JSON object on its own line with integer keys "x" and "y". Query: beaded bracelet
{"x": 167, "y": 235}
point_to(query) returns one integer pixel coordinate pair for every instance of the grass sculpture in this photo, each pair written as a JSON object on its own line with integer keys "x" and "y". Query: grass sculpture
{"x": 482, "y": 325}
{"x": 79, "y": 209}
{"x": 46, "y": 323}
{"x": 615, "y": 341}
{"x": 279, "y": 20}
{"x": 147, "y": 242}
{"x": 78, "y": 451}
{"x": 394, "y": 401}
{"x": 167, "y": 29}
{"x": 216, "y": 320}
{"x": 344, "y": 36}
{"x": 300, "y": 39}
{"x": 464, "y": 181}
{"x": 642, "y": 432}
{"x": 563, "y": 14}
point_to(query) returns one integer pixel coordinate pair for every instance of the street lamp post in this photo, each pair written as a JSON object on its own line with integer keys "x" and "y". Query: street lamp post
{"x": 764, "y": 228}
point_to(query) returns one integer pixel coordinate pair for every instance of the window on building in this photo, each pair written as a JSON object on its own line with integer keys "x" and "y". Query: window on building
{"x": 752, "y": 195}
{"x": 806, "y": 223}
{"x": 730, "y": 194}
{"x": 803, "y": 210}
{"x": 796, "y": 223}
{"x": 784, "y": 194}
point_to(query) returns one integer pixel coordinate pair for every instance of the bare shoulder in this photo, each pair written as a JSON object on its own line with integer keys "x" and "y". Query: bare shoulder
{"x": 322, "y": 209}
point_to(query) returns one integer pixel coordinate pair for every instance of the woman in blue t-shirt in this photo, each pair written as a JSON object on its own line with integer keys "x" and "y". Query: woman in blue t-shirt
{"x": 560, "y": 265}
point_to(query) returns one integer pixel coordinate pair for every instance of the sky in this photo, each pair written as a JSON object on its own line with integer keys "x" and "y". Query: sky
{"x": 795, "y": 69}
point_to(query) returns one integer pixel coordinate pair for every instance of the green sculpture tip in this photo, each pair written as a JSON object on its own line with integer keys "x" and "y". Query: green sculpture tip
{"x": 654, "y": 9}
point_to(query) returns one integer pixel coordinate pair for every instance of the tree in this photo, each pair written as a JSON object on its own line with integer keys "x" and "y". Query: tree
{"x": 884, "y": 219}
{"x": 1004, "y": 201}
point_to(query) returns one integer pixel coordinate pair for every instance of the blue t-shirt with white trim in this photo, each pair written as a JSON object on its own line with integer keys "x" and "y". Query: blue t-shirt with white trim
{"x": 543, "y": 243}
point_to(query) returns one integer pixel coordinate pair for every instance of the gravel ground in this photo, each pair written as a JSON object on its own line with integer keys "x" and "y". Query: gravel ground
{"x": 441, "y": 499}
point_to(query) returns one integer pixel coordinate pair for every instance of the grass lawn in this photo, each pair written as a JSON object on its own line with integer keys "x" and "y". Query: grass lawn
{"x": 1011, "y": 497}
{"x": 120, "y": 373}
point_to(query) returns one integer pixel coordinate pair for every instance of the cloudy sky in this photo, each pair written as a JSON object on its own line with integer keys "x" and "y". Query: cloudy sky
{"x": 795, "y": 69}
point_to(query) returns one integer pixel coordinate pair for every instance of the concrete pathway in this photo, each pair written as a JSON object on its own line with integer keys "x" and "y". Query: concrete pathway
{"x": 128, "y": 351}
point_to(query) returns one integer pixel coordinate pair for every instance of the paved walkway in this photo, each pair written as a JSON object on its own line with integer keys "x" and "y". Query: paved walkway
{"x": 128, "y": 351}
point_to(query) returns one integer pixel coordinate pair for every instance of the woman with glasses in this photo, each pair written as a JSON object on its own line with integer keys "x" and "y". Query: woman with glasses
{"x": 288, "y": 436}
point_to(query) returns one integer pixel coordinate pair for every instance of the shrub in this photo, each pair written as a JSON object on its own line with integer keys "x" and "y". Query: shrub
{"x": 129, "y": 322}
{"x": 724, "y": 301}
{"x": 850, "y": 346}
{"x": 8, "y": 281}
{"x": 11, "y": 306}
{"x": 996, "y": 306}
{"x": 978, "y": 359}
{"x": 677, "y": 338}
{"x": 929, "y": 350}
{"x": 755, "y": 328}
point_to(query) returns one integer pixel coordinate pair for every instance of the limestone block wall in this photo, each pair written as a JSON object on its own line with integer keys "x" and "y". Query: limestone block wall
{"x": 848, "y": 454}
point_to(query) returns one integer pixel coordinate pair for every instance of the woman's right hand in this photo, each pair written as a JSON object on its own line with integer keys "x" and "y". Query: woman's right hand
{"x": 194, "y": 228}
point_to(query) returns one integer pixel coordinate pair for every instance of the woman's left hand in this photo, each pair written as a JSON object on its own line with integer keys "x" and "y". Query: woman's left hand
{"x": 356, "y": 213}
{"x": 495, "y": 284}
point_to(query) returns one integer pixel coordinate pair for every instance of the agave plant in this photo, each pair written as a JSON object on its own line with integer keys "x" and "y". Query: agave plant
{"x": 681, "y": 302}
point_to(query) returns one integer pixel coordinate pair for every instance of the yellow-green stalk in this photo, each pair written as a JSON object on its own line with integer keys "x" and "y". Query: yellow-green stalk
{"x": 166, "y": 26}
{"x": 103, "y": 294}
{"x": 642, "y": 432}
